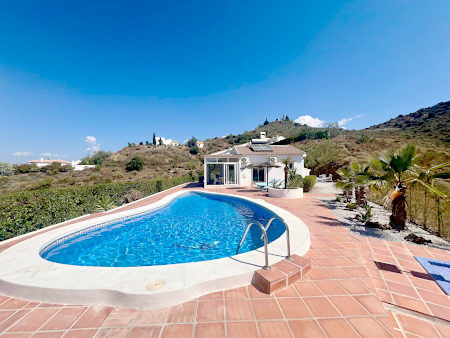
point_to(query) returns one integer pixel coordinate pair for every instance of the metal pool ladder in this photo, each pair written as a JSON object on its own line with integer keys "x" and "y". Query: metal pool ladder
{"x": 264, "y": 235}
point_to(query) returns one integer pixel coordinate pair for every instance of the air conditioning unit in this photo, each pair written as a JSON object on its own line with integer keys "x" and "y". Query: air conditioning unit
{"x": 245, "y": 160}
{"x": 273, "y": 160}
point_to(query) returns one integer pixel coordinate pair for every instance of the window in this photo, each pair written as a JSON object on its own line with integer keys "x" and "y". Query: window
{"x": 258, "y": 175}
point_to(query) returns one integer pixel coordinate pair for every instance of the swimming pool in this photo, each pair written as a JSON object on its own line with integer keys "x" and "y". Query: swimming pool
{"x": 194, "y": 226}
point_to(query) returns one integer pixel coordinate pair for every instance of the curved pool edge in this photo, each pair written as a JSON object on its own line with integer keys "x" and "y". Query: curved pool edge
{"x": 25, "y": 274}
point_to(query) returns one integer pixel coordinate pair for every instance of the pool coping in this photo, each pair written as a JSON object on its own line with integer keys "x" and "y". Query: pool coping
{"x": 25, "y": 274}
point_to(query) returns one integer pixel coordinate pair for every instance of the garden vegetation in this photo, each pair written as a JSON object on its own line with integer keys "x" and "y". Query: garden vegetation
{"x": 31, "y": 210}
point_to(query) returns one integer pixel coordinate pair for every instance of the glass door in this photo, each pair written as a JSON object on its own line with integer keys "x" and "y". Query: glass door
{"x": 230, "y": 174}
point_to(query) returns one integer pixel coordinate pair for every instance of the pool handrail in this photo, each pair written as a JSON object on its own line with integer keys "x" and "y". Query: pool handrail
{"x": 287, "y": 236}
{"x": 266, "y": 253}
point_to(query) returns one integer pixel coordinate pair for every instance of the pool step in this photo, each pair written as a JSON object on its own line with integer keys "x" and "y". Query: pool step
{"x": 282, "y": 274}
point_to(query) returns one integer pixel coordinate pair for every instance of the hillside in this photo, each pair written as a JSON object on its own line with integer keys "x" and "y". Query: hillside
{"x": 432, "y": 122}
{"x": 159, "y": 162}
{"x": 328, "y": 149}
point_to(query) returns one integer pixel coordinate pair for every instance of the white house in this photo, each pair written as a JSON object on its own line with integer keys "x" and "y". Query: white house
{"x": 200, "y": 144}
{"x": 43, "y": 163}
{"x": 167, "y": 141}
{"x": 247, "y": 164}
{"x": 77, "y": 166}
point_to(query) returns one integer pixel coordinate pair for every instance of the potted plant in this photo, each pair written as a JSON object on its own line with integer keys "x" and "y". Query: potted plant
{"x": 292, "y": 187}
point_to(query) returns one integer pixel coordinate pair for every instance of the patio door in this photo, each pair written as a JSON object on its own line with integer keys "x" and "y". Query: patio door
{"x": 230, "y": 173}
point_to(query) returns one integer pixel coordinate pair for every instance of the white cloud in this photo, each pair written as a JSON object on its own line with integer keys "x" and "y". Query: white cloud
{"x": 343, "y": 121}
{"x": 21, "y": 153}
{"x": 92, "y": 145}
{"x": 310, "y": 121}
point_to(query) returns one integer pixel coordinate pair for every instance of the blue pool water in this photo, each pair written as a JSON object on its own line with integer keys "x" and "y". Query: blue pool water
{"x": 193, "y": 227}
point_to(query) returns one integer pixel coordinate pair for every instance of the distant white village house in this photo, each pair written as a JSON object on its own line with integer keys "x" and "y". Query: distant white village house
{"x": 167, "y": 142}
{"x": 251, "y": 163}
{"x": 76, "y": 165}
{"x": 43, "y": 163}
{"x": 200, "y": 144}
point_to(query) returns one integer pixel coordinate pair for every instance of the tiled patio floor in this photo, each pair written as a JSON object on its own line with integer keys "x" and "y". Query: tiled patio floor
{"x": 353, "y": 280}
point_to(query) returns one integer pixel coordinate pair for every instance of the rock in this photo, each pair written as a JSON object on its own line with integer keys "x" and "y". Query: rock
{"x": 377, "y": 225}
{"x": 416, "y": 239}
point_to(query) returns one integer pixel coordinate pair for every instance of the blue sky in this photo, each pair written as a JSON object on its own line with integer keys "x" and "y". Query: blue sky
{"x": 120, "y": 70}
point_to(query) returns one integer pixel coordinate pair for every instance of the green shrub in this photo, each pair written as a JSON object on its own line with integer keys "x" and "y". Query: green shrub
{"x": 194, "y": 150}
{"x": 7, "y": 169}
{"x": 98, "y": 158}
{"x": 31, "y": 210}
{"x": 159, "y": 185}
{"x": 55, "y": 168}
{"x": 27, "y": 168}
{"x": 42, "y": 184}
{"x": 136, "y": 163}
{"x": 309, "y": 182}
{"x": 295, "y": 182}
{"x": 351, "y": 206}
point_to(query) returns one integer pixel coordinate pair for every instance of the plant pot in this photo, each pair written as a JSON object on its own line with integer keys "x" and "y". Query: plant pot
{"x": 286, "y": 193}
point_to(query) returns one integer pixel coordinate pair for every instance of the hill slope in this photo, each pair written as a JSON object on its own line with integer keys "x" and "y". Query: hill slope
{"x": 432, "y": 122}
{"x": 328, "y": 150}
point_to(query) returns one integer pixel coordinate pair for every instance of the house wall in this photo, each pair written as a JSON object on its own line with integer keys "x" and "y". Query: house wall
{"x": 278, "y": 173}
{"x": 246, "y": 174}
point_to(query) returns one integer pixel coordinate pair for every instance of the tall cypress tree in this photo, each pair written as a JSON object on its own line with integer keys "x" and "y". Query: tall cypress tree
{"x": 154, "y": 139}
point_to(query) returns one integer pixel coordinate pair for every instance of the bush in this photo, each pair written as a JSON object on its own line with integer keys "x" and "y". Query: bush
{"x": 55, "y": 168}
{"x": 295, "y": 182}
{"x": 136, "y": 163}
{"x": 133, "y": 195}
{"x": 27, "y": 168}
{"x": 309, "y": 182}
{"x": 194, "y": 150}
{"x": 42, "y": 184}
{"x": 351, "y": 206}
{"x": 7, "y": 169}
{"x": 98, "y": 158}
{"x": 31, "y": 210}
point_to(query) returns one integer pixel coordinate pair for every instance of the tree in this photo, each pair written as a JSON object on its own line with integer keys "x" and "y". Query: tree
{"x": 354, "y": 177}
{"x": 266, "y": 122}
{"x": 287, "y": 118}
{"x": 136, "y": 163}
{"x": 7, "y": 169}
{"x": 392, "y": 167}
{"x": 154, "y": 139}
{"x": 160, "y": 141}
{"x": 427, "y": 179}
{"x": 194, "y": 150}
{"x": 286, "y": 161}
{"x": 97, "y": 158}
{"x": 192, "y": 142}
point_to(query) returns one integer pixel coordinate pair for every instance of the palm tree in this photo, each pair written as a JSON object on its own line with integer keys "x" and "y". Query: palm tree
{"x": 353, "y": 177}
{"x": 392, "y": 168}
{"x": 286, "y": 161}
{"x": 427, "y": 179}
{"x": 105, "y": 203}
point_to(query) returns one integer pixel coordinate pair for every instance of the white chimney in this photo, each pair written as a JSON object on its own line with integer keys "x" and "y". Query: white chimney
{"x": 262, "y": 135}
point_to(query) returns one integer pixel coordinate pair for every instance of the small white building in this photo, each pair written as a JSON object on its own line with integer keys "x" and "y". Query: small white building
{"x": 43, "y": 163}
{"x": 200, "y": 144}
{"x": 77, "y": 166}
{"x": 251, "y": 163}
{"x": 167, "y": 142}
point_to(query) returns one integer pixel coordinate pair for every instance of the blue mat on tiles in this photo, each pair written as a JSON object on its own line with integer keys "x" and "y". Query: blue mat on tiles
{"x": 439, "y": 270}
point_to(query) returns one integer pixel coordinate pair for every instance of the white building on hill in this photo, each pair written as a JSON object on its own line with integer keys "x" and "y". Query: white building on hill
{"x": 167, "y": 142}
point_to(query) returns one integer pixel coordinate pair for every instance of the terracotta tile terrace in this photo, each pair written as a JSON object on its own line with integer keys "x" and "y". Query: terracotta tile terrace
{"x": 357, "y": 287}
